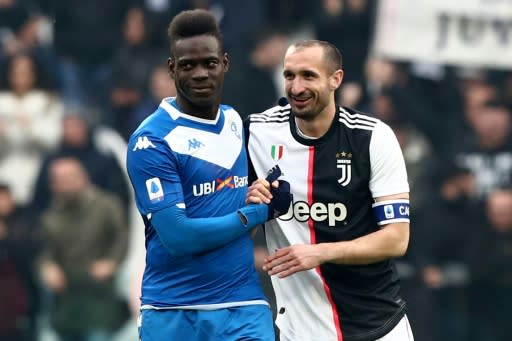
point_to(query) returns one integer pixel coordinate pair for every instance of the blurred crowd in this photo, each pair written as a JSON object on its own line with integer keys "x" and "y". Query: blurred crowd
{"x": 77, "y": 77}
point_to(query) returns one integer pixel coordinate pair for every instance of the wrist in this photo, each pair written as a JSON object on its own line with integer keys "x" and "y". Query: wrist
{"x": 253, "y": 214}
{"x": 330, "y": 253}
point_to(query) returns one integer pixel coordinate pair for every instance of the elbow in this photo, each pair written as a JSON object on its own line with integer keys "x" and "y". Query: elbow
{"x": 401, "y": 248}
{"x": 401, "y": 240}
{"x": 402, "y": 245}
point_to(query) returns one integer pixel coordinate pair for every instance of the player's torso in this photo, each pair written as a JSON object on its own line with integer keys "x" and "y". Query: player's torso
{"x": 211, "y": 167}
{"x": 332, "y": 201}
{"x": 329, "y": 178}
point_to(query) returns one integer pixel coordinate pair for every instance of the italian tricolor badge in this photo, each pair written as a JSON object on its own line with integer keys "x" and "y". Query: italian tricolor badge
{"x": 276, "y": 152}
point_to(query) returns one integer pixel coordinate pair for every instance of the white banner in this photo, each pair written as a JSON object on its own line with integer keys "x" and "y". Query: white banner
{"x": 462, "y": 32}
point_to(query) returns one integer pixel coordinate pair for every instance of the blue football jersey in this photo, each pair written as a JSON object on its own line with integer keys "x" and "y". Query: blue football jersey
{"x": 200, "y": 165}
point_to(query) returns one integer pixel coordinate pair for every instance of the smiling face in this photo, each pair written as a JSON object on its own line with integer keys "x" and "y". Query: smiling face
{"x": 310, "y": 82}
{"x": 198, "y": 67}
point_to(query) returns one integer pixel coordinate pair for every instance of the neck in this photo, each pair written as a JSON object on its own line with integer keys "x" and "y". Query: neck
{"x": 320, "y": 124}
{"x": 208, "y": 112}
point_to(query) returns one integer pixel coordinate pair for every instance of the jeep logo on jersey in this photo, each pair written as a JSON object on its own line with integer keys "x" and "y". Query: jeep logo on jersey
{"x": 301, "y": 211}
{"x": 216, "y": 185}
{"x": 142, "y": 143}
{"x": 343, "y": 162}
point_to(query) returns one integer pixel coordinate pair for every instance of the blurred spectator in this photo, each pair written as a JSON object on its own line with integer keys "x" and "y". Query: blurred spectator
{"x": 13, "y": 14}
{"x": 19, "y": 244}
{"x": 292, "y": 15}
{"x": 238, "y": 19}
{"x": 29, "y": 127}
{"x": 491, "y": 261}
{"x": 487, "y": 153}
{"x": 85, "y": 241}
{"x": 160, "y": 87}
{"x": 81, "y": 141}
{"x": 451, "y": 219}
{"x": 158, "y": 14}
{"x": 347, "y": 24}
{"x": 131, "y": 68}
{"x": 86, "y": 33}
{"x": 250, "y": 86}
{"x": 23, "y": 34}
{"x": 417, "y": 155}
{"x": 434, "y": 106}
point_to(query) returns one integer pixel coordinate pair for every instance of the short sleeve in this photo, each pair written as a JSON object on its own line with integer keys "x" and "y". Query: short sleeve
{"x": 388, "y": 172}
{"x": 153, "y": 170}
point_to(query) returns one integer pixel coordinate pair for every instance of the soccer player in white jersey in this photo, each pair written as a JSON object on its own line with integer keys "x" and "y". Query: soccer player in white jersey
{"x": 331, "y": 254}
{"x": 188, "y": 166}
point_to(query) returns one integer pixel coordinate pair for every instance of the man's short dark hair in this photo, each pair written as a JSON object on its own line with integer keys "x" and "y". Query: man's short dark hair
{"x": 193, "y": 23}
{"x": 331, "y": 53}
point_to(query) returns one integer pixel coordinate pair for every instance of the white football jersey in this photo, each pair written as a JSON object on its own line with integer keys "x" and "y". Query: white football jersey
{"x": 334, "y": 180}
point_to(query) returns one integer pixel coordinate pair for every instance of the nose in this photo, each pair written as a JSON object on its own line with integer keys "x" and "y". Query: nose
{"x": 296, "y": 86}
{"x": 200, "y": 73}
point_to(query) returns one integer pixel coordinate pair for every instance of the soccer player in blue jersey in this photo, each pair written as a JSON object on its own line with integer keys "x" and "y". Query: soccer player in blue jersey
{"x": 188, "y": 166}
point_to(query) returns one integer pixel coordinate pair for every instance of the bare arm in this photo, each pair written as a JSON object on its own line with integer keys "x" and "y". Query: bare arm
{"x": 388, "y": 242}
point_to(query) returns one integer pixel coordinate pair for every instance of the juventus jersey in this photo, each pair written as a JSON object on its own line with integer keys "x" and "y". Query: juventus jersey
{"x": 333, "y": 179}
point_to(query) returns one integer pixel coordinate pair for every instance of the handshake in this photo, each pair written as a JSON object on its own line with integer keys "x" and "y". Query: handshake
{"x": 281, "y": 196}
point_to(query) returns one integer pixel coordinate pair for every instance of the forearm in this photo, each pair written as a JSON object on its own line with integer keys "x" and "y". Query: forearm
{"x": 186, "y": 236}
{"x": 388, "y": 242}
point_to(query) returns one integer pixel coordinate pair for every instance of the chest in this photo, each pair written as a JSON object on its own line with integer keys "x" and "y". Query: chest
{"x": 336, "y": 170}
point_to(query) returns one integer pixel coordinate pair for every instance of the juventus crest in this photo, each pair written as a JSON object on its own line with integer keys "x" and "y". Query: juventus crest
{"x": 344, "y": 163}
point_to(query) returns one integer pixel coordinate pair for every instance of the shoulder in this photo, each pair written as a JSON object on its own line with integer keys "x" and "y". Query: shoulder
{"x": 156, "y": 126}
{"x": 230, "y": 113}
{"x": 354, "y": 119}
{"x": 277, "y": 114}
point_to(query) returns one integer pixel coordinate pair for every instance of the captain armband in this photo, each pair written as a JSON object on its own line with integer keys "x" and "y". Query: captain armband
{"x": 391, "y": 211}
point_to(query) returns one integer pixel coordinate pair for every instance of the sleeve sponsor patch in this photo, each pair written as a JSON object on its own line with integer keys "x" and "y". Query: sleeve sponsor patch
{"x": 155, "y": 190}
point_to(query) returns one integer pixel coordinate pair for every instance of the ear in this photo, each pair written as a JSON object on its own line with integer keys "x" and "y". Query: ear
{"x": 225, "y": 62}
{"x": 336, "y": 79}
{"x": 171, "y": 67}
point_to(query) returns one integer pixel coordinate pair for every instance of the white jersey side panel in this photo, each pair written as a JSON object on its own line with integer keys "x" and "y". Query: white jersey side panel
{"x": 306, "y": 286}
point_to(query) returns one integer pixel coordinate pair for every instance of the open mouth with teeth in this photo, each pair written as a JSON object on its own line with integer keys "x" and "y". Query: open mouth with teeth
{"x": 300, "y": 100}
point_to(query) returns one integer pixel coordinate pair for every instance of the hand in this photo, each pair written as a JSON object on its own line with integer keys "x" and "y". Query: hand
{"x": 259, "y": 192}
{"x": 289, "y": 260}
{"x": 53, "y": 277}
{"x": 281, "y": 200}
{"x": 102, "y": 269}
{"x": 281, "y": 196}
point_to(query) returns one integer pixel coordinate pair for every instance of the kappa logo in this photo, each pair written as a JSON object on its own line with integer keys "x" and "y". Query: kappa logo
{"x": 195, "y": 144}
{"x": 143, "y": 143}
{"x": 344, "y": 162}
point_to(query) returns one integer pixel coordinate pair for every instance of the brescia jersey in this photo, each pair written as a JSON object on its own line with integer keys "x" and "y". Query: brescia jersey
{"x": 175, "y": 159}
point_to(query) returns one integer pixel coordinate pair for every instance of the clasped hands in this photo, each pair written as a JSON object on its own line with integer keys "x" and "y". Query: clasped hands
{"x": 288, "y": 260}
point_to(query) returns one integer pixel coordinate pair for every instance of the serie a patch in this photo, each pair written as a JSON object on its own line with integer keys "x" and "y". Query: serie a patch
{"x": 391, "y": 211}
